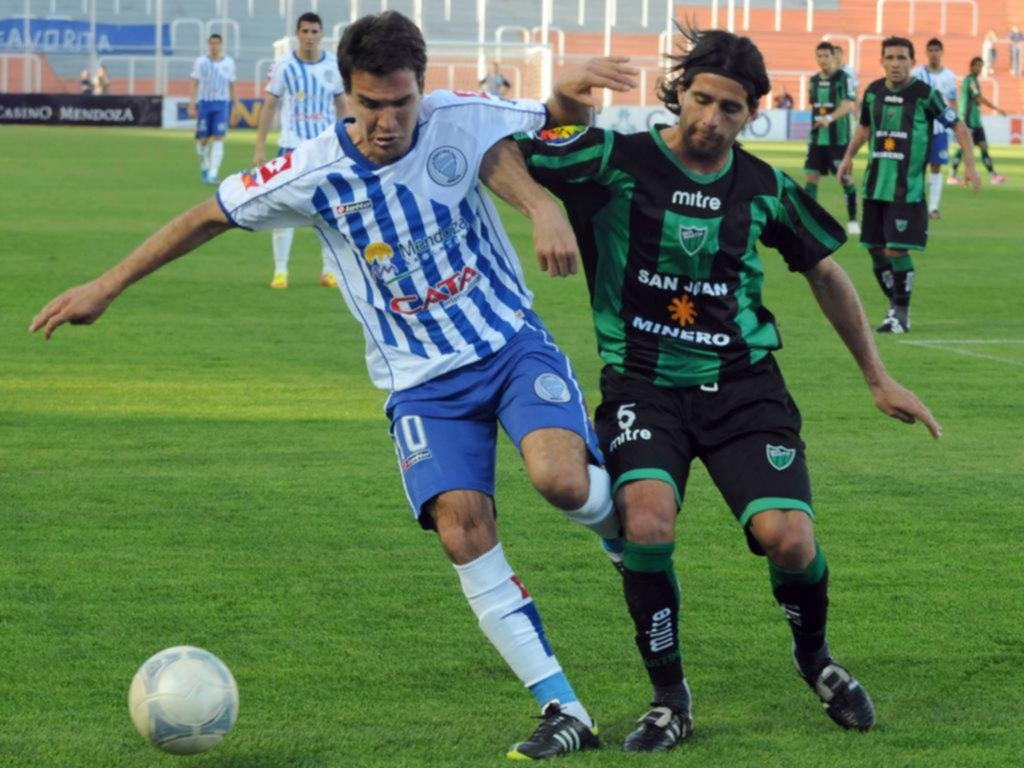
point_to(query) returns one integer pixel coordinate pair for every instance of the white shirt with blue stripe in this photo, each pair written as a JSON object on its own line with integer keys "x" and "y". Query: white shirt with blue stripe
{"x": 423, "y": 261}
{"x": 307, "y": 91}
{"x": 943, "y": 81}
{"x": 215, "y": 77}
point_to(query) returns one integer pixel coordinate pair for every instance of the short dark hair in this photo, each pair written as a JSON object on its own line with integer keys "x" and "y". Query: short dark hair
{"x": 825, "y": 45}
{"x": 977, "y": 60}
{"x": 897, "y": 42}
{"x": 310, "y": 17}
{"x": 935, "y": 43}
{"x": 718, "y": 52}
{"x": 381, "y": 44}
{"x": 215, "y": 36}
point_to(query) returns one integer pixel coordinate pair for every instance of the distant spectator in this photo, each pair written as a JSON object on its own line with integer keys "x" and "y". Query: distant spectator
{"x": 495, "y": 83}
{"x": 989, "y": 53}
{"x": 85, "y": 83}
{"x": 840, "y": 54}
{"x": 1016, "y": 48}
{"x": 101, "y": 83}
{"x": 784, "y": 100}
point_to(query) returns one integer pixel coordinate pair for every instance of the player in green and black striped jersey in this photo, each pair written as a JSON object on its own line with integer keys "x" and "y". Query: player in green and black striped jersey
{"x": 897, "y": 116}
{"x": 832, "y": 100}
{"x": 668, "y": 223}
{"x": 971, "y": 101}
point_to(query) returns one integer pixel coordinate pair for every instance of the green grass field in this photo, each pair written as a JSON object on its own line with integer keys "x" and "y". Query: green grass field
{"x": 209, "y": 465}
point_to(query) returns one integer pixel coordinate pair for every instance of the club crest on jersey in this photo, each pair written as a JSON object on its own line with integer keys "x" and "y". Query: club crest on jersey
{"x": 779, "y": 456}
{"x": 901, "y": 225}
{"x": 447, "y": 166}
{"x": 692, "y": 238}
{"x": 551, "y": 388}
{"x": 562, "y": 135}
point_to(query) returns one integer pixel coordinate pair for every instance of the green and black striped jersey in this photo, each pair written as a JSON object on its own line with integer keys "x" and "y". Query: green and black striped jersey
{"x": 900, "y": 125}
{"x": 970, "y": 107}
{"x": 670, "y": 256}
{"x": 827, "y": 94}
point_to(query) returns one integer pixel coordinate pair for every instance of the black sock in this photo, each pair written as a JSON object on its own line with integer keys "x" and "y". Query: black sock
{"x": 851, "y": 202}
{"x": 903, "y": 286}
{"x": 987, "y": 160}
{"x": 811, "y": 188}
{"x": 883, "y": 274}
{"x": 956, "y": 160}
{"x": 652, "y": 594}
{"x": 803, "y": 597}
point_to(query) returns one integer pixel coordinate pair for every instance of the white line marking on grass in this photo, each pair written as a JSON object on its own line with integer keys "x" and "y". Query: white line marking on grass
{"x": 952, "y": 345}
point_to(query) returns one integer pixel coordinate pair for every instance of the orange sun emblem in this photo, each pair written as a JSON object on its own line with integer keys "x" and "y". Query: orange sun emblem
{"x": 683, "y": 311}
{"x": 889, "y": 144}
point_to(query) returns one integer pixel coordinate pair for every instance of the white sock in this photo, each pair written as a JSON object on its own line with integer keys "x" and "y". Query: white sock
{"x": 508, "y": 616}
{"x": 282, "y": 241}
{"x": 598, "y": 513}
{"x": 216, "y": 155}
{"x": 934, "y": 190}
{"x": 204, "y": 156}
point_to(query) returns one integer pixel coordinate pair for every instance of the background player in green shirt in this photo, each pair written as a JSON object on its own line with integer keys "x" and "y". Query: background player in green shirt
{"x": 667, "y": 223}
{"x": 970, "y": 104}
{"x": 897, "y": 116}
{"x": 832, "y": 99}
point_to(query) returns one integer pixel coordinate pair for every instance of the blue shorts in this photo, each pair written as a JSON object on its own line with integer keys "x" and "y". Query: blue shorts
{"x": 212, "y": 118}
{"x": 938, "y": 153}
{"x": 446, "y": 430}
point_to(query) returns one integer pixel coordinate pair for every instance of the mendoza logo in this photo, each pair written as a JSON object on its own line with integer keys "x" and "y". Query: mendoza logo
{"x": 447, "y": 166}
{"x": 901, "y": 225}
{"x": 779, "y": 456}
{"x": 563, "y": 135}
{"x": 378, "y": 256}
{"x": 692, "y": 238}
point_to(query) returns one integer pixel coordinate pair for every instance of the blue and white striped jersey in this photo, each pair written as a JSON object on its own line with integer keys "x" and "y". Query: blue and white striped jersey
{"x": 943, "y": 81}
{"x": 214, "y": 78}
{"x": 423, "y": 261}
{"x": 307, "y": 91}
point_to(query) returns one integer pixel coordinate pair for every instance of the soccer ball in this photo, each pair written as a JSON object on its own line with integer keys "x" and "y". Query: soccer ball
{"x": 183, "y": 700}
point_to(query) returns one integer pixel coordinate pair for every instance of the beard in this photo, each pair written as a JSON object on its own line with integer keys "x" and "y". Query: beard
{"x": 701, "y": 145}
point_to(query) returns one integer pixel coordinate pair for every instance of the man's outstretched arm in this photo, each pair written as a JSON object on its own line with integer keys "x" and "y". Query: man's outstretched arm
{"x": 571, "y": 101}
{"x": 504, "y": 170}
{"x": 839, "y": 301}
{"x": 85, "y": 303}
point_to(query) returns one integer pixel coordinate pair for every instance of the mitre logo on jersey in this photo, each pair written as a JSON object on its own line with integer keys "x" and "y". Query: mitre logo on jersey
{"x": 696, "y": 200}
{"x": 562, "y": 135}
{"x": 442, "y": 292}
{"x": 447, "y": 166}
{"x": 692, "y": 238}
{"x": 779, "y": 456}
{"x": 892, "y": 98}
{"x": 263, "y": 174}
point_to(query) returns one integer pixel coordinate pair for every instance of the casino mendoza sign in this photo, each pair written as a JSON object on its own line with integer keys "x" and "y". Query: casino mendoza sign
{"x": 69, "y": 109}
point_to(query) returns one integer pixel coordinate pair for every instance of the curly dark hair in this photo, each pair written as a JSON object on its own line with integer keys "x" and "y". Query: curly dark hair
{"x": 381, "y": 44}
{"x": 715, "y": 51}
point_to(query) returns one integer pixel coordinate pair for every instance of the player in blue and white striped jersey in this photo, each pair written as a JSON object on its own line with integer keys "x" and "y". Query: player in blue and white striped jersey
{"x": 210, "y": 100}
{"x": 942, "y": 80}
{"x": 428, "y": 271}
{"x": 307, "y": 84}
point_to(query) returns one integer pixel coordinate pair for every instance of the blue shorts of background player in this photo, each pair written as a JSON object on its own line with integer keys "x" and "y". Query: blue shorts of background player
{"x": 445, "y": 431}
{"x": 938, "y": 153}
{"x": 212, "y": 118}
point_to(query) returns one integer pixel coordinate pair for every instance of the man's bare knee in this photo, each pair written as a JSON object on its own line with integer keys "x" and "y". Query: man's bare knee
{"x": 465, "y": 524}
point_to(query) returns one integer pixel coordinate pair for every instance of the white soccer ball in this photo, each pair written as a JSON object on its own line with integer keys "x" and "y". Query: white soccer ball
{"x": 183, "y": 700}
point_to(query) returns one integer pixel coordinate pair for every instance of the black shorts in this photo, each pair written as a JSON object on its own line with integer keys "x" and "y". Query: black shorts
{"x": 746, "y": 431}
{"x": 899, "y": 226}
{"x": 978, "y": 135}
{"x": 824, "y": 159}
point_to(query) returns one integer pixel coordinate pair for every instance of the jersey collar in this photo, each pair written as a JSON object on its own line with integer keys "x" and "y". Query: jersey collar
{"x": 303, "y": 62}
{"x": 360, "y": 159}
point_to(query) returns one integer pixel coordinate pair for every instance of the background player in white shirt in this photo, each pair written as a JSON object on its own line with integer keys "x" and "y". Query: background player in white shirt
{"x": 308, "y": 85}
{"x": 428, "y": 271}
{"x": 942, "y": 80}
{"x": 210, "y": 100}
